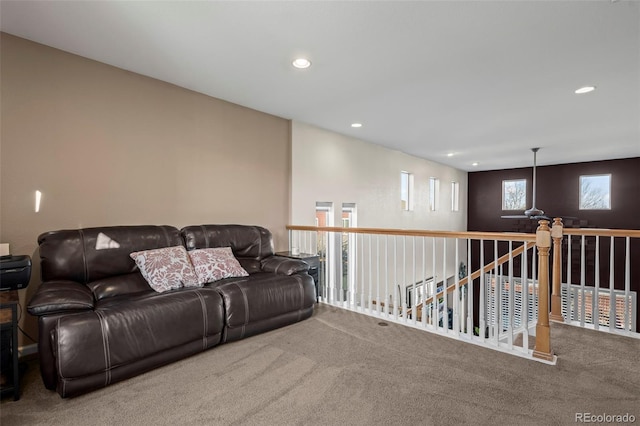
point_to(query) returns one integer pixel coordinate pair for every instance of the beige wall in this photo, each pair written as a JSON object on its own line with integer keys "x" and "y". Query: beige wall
{"x": 110, "y": 147}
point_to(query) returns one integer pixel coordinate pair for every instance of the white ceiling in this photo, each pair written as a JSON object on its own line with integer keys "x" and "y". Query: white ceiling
{"x": 486, "y": 80}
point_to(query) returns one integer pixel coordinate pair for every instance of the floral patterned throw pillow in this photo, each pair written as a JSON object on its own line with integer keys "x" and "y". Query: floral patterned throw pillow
{"x": 166, "y": 268}
{"x": 214, "y": 264}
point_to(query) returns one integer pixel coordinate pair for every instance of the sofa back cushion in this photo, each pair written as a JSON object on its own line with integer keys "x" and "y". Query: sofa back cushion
{"x": 92, "y": 254}
{"x": 250, "y": 244}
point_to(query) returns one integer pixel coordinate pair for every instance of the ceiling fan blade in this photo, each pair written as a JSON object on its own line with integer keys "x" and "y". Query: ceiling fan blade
{"x": 515, "y": 216}
{"x": 563, "y": 217}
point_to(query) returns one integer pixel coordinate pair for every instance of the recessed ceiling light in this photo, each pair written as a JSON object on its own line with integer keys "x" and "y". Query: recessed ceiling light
{"x": 356, "y": 125}
{"x": 585, "y": 89}
{"x": 450, "y": 154}
{"x": 301, "y": 63}
{"x": 474, "y": 164}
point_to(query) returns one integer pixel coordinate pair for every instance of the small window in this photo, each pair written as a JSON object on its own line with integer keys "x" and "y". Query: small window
{"x": 595, "y": 192}
{"x": 324, "y": 213}
{"x": 434, "y": 193}
{"x": 348, "y": 215}
{"x": 514, "y": 194}
{"x": 406, "y": 190}
{"x": 455, "y": 196}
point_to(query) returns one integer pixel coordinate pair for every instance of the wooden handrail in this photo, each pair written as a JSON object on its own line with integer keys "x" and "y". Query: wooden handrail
{"x": 500, "y": 236}
{"x": 489, "y": 266}
{"x": 592, "y": 232}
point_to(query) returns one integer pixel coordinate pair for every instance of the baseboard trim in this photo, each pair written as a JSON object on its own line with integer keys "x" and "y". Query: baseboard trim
{"x": 28, "y": 350}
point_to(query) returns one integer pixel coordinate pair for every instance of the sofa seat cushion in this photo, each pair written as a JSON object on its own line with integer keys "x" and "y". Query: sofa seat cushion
{"x": 119, "y": 332}
{"x": 263, "y": 296}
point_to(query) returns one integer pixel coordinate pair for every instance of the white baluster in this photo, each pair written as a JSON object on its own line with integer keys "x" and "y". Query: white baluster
{"x": 566, "y": 295}
{"x": 378, "y": 299}
{"x": 424, "y": 282}
{"x": 445, "y": 299}
{"x": 595, "y": 299}
{"x": 469, "y": 292}
{"x": 525, "y": 299}
{"x": 629, "y": 310}
{"x": 456, "y": 292}
{"x": 395, "y": 278}
{"x": 483, "y": 302}
{"x": 414, "y": 305}
{"x": 386, "y": 276}
{"x": 582, "y": 282}
{"x": 510, "y": 316}
{"x": 612, "y": 295}
{"x": 497, "y": 295}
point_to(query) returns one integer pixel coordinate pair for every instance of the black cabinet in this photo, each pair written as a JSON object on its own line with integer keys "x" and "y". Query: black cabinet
{"x": 314, "y": 263}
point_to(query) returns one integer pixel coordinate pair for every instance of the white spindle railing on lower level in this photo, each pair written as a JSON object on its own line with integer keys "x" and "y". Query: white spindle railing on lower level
{"x": 420, "y": 279}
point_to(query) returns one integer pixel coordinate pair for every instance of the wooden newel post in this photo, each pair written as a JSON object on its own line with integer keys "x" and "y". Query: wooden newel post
{"x": 556, "y": 300}
{"x": 542, "y": 349}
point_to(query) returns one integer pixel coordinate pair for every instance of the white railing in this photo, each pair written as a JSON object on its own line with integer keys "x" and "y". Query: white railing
{"x": 594, "y": 278}
{"x": 578, "y": 307}
{"x": 522, "y": 296}
{"x": 420, "y": 279}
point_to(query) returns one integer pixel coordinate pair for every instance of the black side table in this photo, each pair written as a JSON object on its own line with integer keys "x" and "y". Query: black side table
{"x": 314, "y": 263}
{"x": 9, "y": 324}
{"x": 15, "y": 272}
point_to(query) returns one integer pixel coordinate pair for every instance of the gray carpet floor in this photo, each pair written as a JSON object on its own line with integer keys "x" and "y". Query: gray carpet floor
{"x": 342, "y": 368}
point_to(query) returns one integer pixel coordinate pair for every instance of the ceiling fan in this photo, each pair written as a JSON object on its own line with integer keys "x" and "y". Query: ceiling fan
{"x": 533, "y": 213}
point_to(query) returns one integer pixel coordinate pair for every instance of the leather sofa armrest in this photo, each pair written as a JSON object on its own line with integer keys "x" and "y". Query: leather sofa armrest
{"x": 284, "y": 265}
{"x": 54, "y": 297}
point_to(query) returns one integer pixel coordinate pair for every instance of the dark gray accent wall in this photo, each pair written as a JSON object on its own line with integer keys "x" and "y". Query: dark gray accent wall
{"x": 557, "y": 195}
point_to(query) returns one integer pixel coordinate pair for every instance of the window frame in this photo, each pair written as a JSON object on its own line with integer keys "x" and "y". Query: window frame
{"x": 406, "y": 205}
{"x": 455, "y": 196}
{"x": 434, "y": 193}
{"x": 523, "y": 205}
{"x": 607, "y": 196}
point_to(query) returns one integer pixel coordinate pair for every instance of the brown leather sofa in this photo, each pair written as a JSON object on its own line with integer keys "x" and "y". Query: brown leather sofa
{"x": 100, "y": 322}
